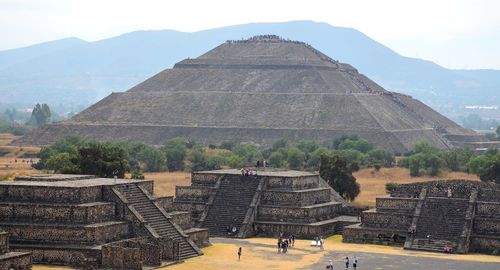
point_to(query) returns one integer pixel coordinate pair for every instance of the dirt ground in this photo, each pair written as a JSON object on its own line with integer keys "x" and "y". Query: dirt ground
{"x": 12, "y": 160}
{"x": 261, "y": 253}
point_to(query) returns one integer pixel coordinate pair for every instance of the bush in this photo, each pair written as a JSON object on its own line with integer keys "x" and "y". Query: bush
{"x": 390, "y": 187}
{"x": 337, "y": 171}
{"x": 295, "y": 158}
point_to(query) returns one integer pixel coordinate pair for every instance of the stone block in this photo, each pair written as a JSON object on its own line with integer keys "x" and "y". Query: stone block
{"x": 295, "y": 197}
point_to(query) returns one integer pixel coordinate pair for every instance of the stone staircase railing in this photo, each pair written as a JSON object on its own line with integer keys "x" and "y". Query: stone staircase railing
{"x": 464, "y": 241}
{"x": 416, "y": 215}
{"x": 210, "y": 201}
{"x": 246, "y": 228}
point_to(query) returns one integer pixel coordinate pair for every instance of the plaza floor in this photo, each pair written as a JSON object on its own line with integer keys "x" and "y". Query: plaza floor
{"x": 261, "y": 253}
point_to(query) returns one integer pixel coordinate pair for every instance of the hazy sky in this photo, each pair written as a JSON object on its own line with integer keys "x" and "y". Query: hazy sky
{"x": 455, "y": 34}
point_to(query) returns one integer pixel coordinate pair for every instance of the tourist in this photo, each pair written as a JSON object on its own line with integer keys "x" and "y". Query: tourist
{"x": 279, "y": 245}
{"x": 330, "y": 265}
{"x": 239, "y": 253}
{"x": 321, "y": 241}
{"x": 346, "y": 261}
{"x": 449, "y": 193}
{"x": 242, "y": 171}
{"x": 293, "y": 240}
{"x": 354, "y": 262}
{"x": 258, "y": 163}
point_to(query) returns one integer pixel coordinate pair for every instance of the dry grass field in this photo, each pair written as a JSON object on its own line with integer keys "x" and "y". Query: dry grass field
{"x": 12, "y": 160}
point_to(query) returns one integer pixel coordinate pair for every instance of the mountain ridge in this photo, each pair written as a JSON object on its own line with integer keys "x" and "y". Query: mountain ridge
{"x": 91, "y": 70}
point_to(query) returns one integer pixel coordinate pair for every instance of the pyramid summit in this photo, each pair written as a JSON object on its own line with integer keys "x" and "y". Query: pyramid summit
{"x": 259, "y": 90}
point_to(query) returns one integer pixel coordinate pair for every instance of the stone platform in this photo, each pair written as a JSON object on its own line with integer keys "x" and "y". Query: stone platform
{"x": 273, "y": 201}
{"x": 456, "y": 215}
{"x": 12, "y": 260}
{"x": 84, "y": 221}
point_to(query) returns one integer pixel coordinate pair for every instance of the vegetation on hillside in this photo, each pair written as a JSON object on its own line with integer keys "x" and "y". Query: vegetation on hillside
{"x": 181, "y": 154}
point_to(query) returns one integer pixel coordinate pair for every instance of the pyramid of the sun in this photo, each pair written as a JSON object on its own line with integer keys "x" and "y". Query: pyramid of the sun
{"x": 259, "y": 90}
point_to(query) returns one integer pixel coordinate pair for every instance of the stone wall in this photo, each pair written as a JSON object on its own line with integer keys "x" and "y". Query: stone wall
{"x": 358, "y": 234}
{"x": 68, "y": 256}
{"x": 293, "y": 183}
{"x": 91, "y": 234}
{"x": 295, "y": 198}
{"x": 394, "y": 220}
{"x": 50, "y": 194}
{"x": 405, "y": 205}
{"x": 17, "y": 262}
{"x": 4, "y": 242}
{"x": 299, "y": 214}
{"x": 118, "y": 257}
{"x": 57, "y": 213}
{"x": 486, "y": 226}
{"x": 488, "y": 209}
{"x": 165, "y": 202}
{"x": 183, "y": 219}
{"x": 193, "y": 193}
{"x": 485, "y": 244}
{"x": 271, "y": 229}
{"x": 460, "y": 189}
{"x": 204, "y": 179}
{"x": 200, "y": 236}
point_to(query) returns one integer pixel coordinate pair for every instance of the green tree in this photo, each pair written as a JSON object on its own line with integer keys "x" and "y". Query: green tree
{"x": 175, "y": 151}
{"x": 346, "y": 142}
{"x": 457, "y": 158}
{"x": 281, "y": 143}
{"x": 295, "y": 158}
{"x": 276, "y": 160}
{"x": 491, "y": 171}
{"x": 248, "y": 152}
{"x": 381, "y": 156}
{"x": 337, "y": 171}
{"x": 63, "y": 163}
{"x": 198, "y": 158}
{"x": 153, "y": 159}
{"x": 478, "y": 165}
{"x": 101, "y": 159}
{"x": 315, "y": 158}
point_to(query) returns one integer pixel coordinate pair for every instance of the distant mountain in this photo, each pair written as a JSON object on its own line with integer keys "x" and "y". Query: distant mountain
{"x": 84, "y": 72}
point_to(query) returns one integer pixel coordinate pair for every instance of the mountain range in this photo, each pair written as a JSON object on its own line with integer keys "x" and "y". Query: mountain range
{"x": 72, "y": 71}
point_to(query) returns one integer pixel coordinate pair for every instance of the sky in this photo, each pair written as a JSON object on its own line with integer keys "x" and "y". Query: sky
{"x": 462, "y": 34}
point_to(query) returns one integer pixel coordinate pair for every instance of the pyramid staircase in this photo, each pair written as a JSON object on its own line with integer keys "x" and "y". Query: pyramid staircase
{"x": 230, "y": 205}
{"x": 157, "y": 219}
{"x": 443, "y": 220}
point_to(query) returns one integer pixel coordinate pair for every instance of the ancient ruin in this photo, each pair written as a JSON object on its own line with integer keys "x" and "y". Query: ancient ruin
{"x": 91, "y": 222}
{"x": 445, "y": 216}
{"x": 12, "y": 260}
{"x": 230, "y": 204}
{"x": 260, "y": 90}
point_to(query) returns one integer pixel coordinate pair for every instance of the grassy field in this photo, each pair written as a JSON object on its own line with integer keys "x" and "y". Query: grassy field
{"x": 12, "y": 162}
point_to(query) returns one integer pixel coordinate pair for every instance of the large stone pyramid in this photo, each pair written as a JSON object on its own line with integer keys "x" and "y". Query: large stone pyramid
{"x": 259, "y": 90}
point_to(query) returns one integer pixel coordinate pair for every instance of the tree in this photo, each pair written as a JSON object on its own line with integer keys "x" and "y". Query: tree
{"x": 315, "y": 158}
{"x": 276, "y": 160}
{"x": 295, "y": 158}
{"x": 381, "y": 156}
{"x": 101, "y": 159}
{"x": 248, "y": 152}
{"x": 337, "y": 171}
{"x": 281, "y": 143}
{"x": 175, "y": 150}
{"x": 153, "y": 159}
{"x": 40, "y": 115}
{"x": 345, "y": 142}
{"x": 457, "y": 158}
{"x": 491, "y": 171}
{"x": 198, "y": 158}
{"x": 63, "y": 163}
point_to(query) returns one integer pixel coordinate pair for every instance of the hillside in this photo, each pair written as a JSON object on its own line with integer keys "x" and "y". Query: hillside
{"x": 85, "y": 72}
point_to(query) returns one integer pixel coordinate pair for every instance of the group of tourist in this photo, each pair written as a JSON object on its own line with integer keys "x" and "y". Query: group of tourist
{"x": 318, "y": 242}
{"x": 284, "y": 243}
{"x": 248, "y": 172}
{"x": 347, "y": 262}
